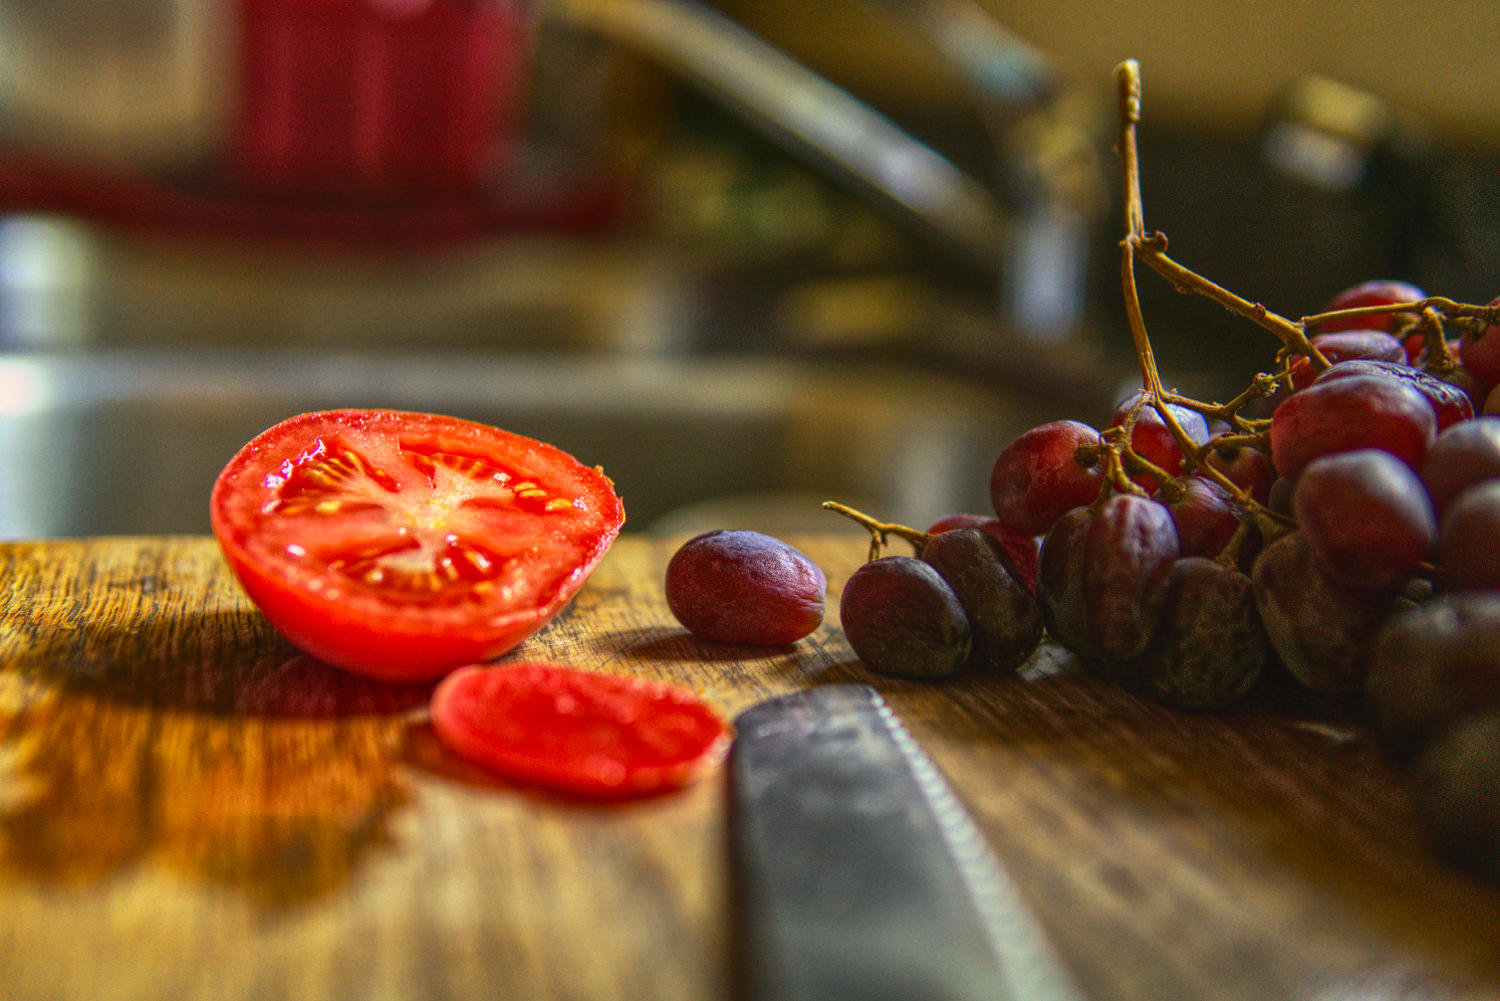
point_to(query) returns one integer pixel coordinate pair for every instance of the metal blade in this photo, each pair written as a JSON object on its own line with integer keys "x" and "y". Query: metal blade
{"x": 861, "y": 876}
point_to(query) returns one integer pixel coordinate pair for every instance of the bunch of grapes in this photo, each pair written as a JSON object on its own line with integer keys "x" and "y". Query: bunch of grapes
{"x": 1339, "y": 519}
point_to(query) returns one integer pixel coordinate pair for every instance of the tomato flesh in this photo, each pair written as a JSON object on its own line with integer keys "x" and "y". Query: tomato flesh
{"x": 402, "y": 545}
{"x": 579, "y": 732}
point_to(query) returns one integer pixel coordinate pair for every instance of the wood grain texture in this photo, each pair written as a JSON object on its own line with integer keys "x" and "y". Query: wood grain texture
{"x": 191, "y": 809}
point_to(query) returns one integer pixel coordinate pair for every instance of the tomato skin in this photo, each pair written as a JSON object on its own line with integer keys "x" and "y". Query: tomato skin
{"x": 305, "y": 571}
{"x": 582, "y": 733}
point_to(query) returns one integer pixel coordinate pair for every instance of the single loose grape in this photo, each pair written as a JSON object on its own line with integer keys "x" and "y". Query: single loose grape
{"x": 738, "y": 586}
{"x": 902, "y": 619}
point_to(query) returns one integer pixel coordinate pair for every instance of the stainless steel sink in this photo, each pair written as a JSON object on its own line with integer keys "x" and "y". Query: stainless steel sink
{"x": 99, "y": 442}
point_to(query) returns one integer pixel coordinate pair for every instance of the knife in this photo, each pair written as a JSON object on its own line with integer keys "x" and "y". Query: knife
{"x": 860, "y": 876}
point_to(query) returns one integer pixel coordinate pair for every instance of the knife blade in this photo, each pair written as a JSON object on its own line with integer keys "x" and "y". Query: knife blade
{"x": 859, "y": 875}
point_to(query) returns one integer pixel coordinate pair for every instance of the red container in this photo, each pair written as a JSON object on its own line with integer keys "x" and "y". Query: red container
{"x": 385, "y": 100}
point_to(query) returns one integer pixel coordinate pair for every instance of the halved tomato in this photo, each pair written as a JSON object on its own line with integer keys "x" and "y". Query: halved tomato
{"x": 402, "y": 545}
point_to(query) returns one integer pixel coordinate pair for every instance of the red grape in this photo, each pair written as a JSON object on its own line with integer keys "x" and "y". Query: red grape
{"x": 1340, "y": 415}
{"x": 737, "y": 586}
{"x": 1366, "y": 516}
{"x": 1450, "y": 404}
{"x": 1247, "y": 468}
{"x": 1469, "y": 542}
{"x": 1152, "y": 440}
{"x": 1040, "y": 475}
{"x": 1480, "y": 352}
{"x": 1130, "y": 547}
{"x": 1206, "y": 517}
{"x": 1059, "y": 582}
{"x": 1347, "y": 345}
{"x": 1461, "y": 456}
{"x": 1380, "y": 292}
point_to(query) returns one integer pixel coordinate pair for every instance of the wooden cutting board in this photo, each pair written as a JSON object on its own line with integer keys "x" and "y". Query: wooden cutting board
{"x": 188, "y": 809}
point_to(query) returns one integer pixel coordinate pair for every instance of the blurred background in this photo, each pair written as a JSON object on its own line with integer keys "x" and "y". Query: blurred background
{"x": 744, "y": 255}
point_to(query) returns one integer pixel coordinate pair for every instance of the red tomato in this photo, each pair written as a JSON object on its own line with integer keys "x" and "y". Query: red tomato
{"x": 596, "y": 735}
{"x": 401, "y": 545}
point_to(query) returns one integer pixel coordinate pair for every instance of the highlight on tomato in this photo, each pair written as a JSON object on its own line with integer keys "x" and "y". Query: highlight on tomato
{"x": 403, "y": 545}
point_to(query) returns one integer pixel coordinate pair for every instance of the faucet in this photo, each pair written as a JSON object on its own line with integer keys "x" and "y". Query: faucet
{"x": 1034, "y": 240}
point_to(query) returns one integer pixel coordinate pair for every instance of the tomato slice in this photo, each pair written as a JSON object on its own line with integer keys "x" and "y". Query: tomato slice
{"x": 596, "y": 735}
{"x": 402, "y": 545}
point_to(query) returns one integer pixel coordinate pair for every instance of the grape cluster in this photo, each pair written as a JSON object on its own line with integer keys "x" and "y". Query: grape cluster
{"x": 1351, "y": 540}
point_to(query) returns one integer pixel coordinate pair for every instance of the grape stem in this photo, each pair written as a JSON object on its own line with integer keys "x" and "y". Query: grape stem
{"x": 880, "y": 531}
{"x": 1152, "y": 249}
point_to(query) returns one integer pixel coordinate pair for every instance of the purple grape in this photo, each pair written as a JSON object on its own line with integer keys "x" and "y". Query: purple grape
{"x": 902, "y": 619}
{"x": 1321, "y": 630}
{"x": 1059, "y": 582}
{"x": 1209, "y": 648}
{"x": 1430, "y": 666}
{"x": 1005, "y": 623}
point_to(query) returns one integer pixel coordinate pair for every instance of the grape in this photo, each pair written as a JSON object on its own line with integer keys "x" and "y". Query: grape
{"x": 1480, "y": 352}
{"x": 1461, "y": 456}
{"x": 1340, "y": 415}
{"x": 1005, "y": 623}
{"x": 736, "y": 586}
{"x": 1450, "y": 404}
{"x": 1366, "y": 516}
{"x": 1321, "y": 630}
{"x": 1018, "y": 552}
{"x": 1247, "y": 468}
{"x": 1372, "y": 293}
{"x": 1430, "y": 666}
{"x": 1209, "y": 647}
{"x": 1128, "y": 552}
{"x": 1345, "y": 345}
{"x": 1458, "y": 798}
{"x": 1469, "y": 541}
{"x": 1039, "y": 476}
{"x": 903, "y": 620}
{"x": 1206, "y": 517}
{"x": 1152, "y": 440}
{"x": 1059, "y": 582}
